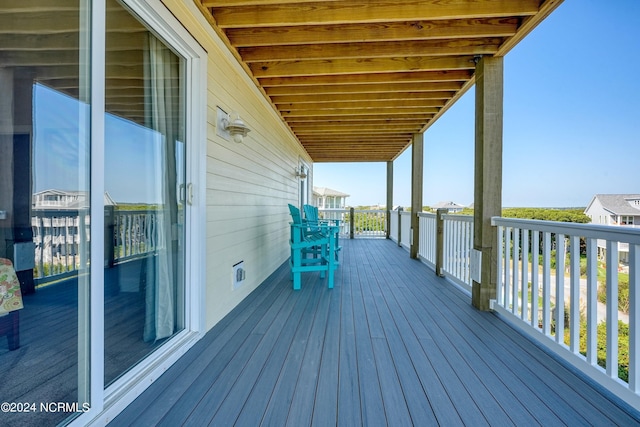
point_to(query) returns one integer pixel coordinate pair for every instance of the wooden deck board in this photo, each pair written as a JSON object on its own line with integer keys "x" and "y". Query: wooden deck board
{"x": 301, "y": 410}
{"x": 391, "y": 344}
{"x": 566, "y": 400}
{"x": 348, "y": 386}
{"x": 175, "y": 382}
{"x": 325, "y": 411}
{"x": 372, "y": 412}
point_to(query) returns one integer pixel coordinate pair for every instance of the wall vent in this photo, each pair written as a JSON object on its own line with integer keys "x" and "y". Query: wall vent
{"x": 239, "y": 274}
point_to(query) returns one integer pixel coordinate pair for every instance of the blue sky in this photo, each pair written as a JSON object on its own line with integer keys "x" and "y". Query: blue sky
{"x": 571, "y": 120}
{"x": 132, "y": 152}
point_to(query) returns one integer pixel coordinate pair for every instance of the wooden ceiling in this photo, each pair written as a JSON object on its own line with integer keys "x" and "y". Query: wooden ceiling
{"x": 354, "y": 80}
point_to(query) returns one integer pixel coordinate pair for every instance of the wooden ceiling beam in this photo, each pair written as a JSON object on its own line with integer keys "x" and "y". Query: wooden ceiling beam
{"x": 349, "y": 159}
{"x": 358, "y": 130}
{"x": 330, "y": 121}
{"x": 481, "y": 46}
{"x": 351, "y": 66}
{"x": 355, "y": 150}
{"x": 374, "y": 32}
{"x": 364, "y": 78}
{"x": 355, "y": 141}
{"x": 372, "y": 138}
{"x": 362, "y": 145}
{"x": 382, "y": 122}
{"x": 327, "y": 13}
{"x": 382, "y": 111}
{"x": 363, "y": 105}
{"x": 364, "y": 88}
{"x": 351, "y": 97}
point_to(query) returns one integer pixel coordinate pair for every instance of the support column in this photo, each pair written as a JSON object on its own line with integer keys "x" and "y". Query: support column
{"x": 6, "y": 163}
{"x": 417, "y": 160}
{"x": 488, "y": 174}
{"x": 22, "y": 176}
{"x": 389, "y": 196}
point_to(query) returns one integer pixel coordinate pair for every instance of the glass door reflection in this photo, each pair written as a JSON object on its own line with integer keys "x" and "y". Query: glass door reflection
{"x": 144, "y": 177}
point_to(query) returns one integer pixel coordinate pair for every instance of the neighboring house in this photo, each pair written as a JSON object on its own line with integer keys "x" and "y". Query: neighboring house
{"x": 327, "y": 198}
{"x": 59, "y": 199}
{"x": 615, "y": 209}
{"x": 451, "y": 207}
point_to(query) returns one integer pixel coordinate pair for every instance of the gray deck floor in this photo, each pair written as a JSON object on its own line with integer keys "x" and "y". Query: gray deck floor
{"x": 391, "y": 344}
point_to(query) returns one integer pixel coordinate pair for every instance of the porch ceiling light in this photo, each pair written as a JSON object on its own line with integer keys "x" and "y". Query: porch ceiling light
{"x": 236, "y": 128}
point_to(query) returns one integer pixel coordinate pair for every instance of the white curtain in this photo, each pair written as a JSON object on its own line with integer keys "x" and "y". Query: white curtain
{"x": 162, "y": 114}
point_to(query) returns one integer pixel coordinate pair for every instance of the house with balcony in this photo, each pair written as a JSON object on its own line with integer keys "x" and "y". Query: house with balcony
{"x": 327, "y": 198}
{"x": 614, "y": 209}
{"x": 617, "y": 210}
{"x": 214, "y": 113}
{"x": 451, "y": 207}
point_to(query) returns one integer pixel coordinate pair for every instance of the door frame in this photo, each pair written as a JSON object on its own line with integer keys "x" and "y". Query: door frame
{"x": 107, "y": 403}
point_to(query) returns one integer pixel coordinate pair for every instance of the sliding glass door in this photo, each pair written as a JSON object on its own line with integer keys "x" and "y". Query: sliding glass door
{"x": 144, "y": 191}
{"x": 44, "y": 211}
{"x": 97, "y": 123}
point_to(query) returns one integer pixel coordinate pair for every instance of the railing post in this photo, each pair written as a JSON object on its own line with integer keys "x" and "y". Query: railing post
{"x": 352, "y": 222}
{"x": 108, "y": 236}
{"x": 389, "y": 197}
{"x": 440, "y": 240}
{"x": 400, "y": 209}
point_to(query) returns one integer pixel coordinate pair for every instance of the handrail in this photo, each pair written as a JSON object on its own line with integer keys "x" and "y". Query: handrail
{"x": 57, "y": 234}
{"x": 543, "y": 298}
{"x": 427, "y": 243}
{"x": 367, "y": 222}
{"x": 458, "y": 243}
{"x": 405, "y": 229}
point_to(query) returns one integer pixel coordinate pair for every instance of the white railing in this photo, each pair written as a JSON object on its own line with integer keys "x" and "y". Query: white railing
{"x": 550, "y": 275}
{"x": 367, "y": 223}
{"x": 337, "y": 214}
{"x": 59, "y": 236}
{"x": 548, "y": 278}
{"x": 427, "y": 243}
{"x": 458, "y": 243}
{"x": 370, "y": 223}
{"x": 393, "y": 225}
{"x": 405, "y": 229}
{"x": 135, "y": 233}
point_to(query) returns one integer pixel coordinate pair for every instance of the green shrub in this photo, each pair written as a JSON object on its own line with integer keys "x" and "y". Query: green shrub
{"x": 623, "y": 293}
{"x": 623, "y": 346}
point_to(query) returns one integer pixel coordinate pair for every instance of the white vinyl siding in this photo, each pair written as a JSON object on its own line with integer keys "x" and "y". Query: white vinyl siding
{"x": 248, "y": 185}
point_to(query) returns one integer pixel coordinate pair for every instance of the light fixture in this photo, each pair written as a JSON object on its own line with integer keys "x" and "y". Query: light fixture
{"x": 300, "y": 172}
{"x": 236, "y": 127}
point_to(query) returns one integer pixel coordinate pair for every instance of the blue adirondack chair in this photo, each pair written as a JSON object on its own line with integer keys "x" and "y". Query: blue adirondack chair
{"x": 320, "y": 244}
{"x": 315, "y": 224}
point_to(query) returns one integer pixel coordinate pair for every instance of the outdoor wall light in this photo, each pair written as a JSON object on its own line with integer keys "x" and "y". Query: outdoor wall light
{"x": 301, "y": 173}
{"x": 236, "y": 127}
